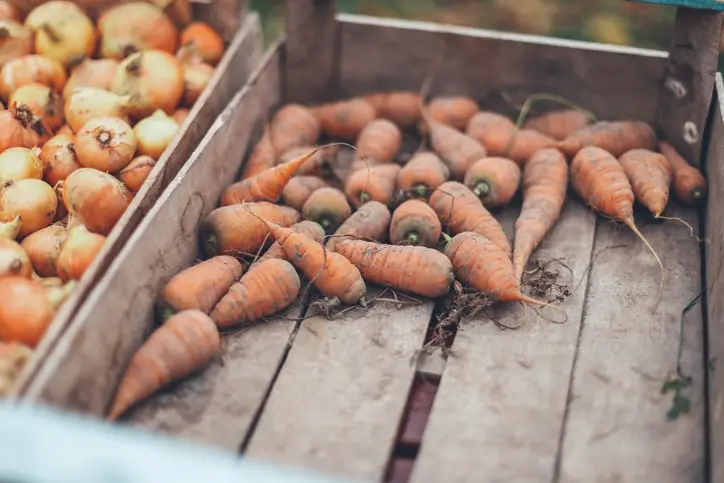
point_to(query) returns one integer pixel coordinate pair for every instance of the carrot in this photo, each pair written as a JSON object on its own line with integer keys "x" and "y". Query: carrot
{"x": 345, "y": 119}
{"x": 293, "y": 126}
{"x": 422, "y": 174}
{"x": 650, "y": 176}
{"x": 494, "y": 180}
{"x": 271, "y": 286}
{"x": 43, "y": 248}
{"x": 414, "y": 269}
{"x": 321, "y": 164}
{"x": 559, "y": 124}
{"x": 379, "y": 142}
{"x": 688, "y": 182}
{"x": 298, "y": 190}
{"x": 400, "y": 107}
{"x": 501, "y": 138}
{"x": 309, "y": 228}
{"x": 545, "y": 182}
{"x": 371, "y": 221}
{"x": 459, "y": 151}
{"x": 183, "y": 345}
{"x": 526, "y": 143}
{"x": 375, "y": 183}
{"x": 460, "y": 210}
{"x": 415, "y": 223}
{"x": 328, "y": 207}
{"x": 454, "y": 111}
{"x": 263, "y": 157}
{"x": 199, "y": 287}
{"x": 233, "y": 230}
{"x": 615, "y": 137}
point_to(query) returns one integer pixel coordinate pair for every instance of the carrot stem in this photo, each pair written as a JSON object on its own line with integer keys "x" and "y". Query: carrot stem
{"x": 482, "y": 189}
{"x": 413, "y": 238}
{"x": 549, "y": 97}
{"x": 530, "y": 300}
{"x": 211, "y": 244}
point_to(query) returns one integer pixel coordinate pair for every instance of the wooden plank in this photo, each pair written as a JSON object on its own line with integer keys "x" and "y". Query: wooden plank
{"x": 614, "y": 82}
{"x": 617, "y": 427}
{"x": 82, "y": 371}
{"x": 233, "y": 70}
{"x": 689, "y": 82}
{"x": 501, "y": 402}
{"x": 337, "y": 403}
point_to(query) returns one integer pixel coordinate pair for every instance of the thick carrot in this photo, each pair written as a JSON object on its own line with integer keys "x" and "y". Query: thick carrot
{"x": 545, "y": 182}
{"x": 375, "y": 183}
{"x": 460, "y": 210}
{"x": 415, "y": 223}
{"x": 400, "y": 107}
{"x": 293, "y": 126}
{"x": 650, "y": 176}
{"x": 615, "y": 137}
{"x": 459, "y": 151}
{"x": 559, "y": 124}
{"x": 526, "y": 143}
{"x": 183, "y": 345}
{"x": 263, "y": 157}
{"x": 232, "y": 230}
{"x": 688, "y": 182}
{"x": 414, "y": 269}
{"x": 494, "y": 180}
{"x": 454, "y": 111}
{"x": 371, "y": 220}
{"x": 271, "y": 286}
{"x": 321, "y": 164}
{"x": 500, "y": 137}
{"x": 328, "y": 207}
{"x": 298, "y": 190}
{"x": 310, "y": 228}
{"x": 200, "y": 286}
{"x": 345, "y": 119}
{"x": 422, "y": 174}
{"x": 379, "y": 142}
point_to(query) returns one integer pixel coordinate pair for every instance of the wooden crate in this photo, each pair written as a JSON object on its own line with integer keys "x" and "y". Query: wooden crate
{"x": 242, "y": 55}
{"x": 574, "y": 402}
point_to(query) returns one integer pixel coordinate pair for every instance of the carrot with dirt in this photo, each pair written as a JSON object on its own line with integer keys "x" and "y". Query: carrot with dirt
{"x": 559, "y": 124}
{"x": 379, "y": 142}
{"x": 309, "y": 228}
{"x": 460, "y": 210}
{"x": 293, "y": 126}
{"x": 416, "y": 270}
{"x": 545, "y": 183}
{"x": 184, "y": 344}
{"x": 500, "y": 137}
{"x": 345, "y": 119}
{"x": 688, "y": 182}
{"x": 321, "y": 164}
{"x": 422, "y": 174}
{"x": 615, "y": 137}
{"x": 457, "y": 150}
{"x": 199, "y": 287}
{"x": 374, "y": 183}
{"x": 370, "y": 221}
{"x": 328, "y": 207}
{"x": 263, "y": 157}
{"x": 650, "y": 176}
{"x": 298, "y": 190}
{"x": 454, "y": 111}
{"x": 494, "y": 180}
{"x": 415, "y": 223}
{"x": 400, "y": 107}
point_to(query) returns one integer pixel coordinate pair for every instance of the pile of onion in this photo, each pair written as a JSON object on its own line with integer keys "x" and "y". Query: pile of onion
{"x": 45, "y": 104}
{"x": 87, "y": 72}
{"x": 19, "y": 128}
{"x": 131, "y": 27}
{"x": 106, "y": 144}
{"x": 20, "y": 163}
{"x": 62, "y": 31}
{"x": 204, "y": 41}
{"x": 15, "y": 41}
{"x": 155, "y": 133}
{"x": 29, "y": 69}
{"x": 59, "y": 158}
{"x": 78, "y": 252}
{"x": 43, "y": 248}
{"x": 137, "y": 171}
{"x": 87, "y": 103}
{"x": 197, "y": 75}
{"x": 34, "y": 200}
{"x": 95, "y": 198}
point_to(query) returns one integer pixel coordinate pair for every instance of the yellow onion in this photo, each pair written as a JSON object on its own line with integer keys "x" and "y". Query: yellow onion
{"x": 28, "y": 69}
{"x": 137, "y": 171}
{"x": 95, "y": 199}
{"x": 78, "y": 253}
{"x": 59, "y": 158}
{"x": 87, "y": 103}
{"x": 204, "y": 40}
{"x": 43, "y": 248}
{"x": 14, "y": 260}
{"x": 197, "y": 75}
{"x": 155, "y": 133}
{"x": 106, "y": 144}
{"x": 87, "y": 72}
{"x": 62, "y": 31}
{"x": 15, "y": 41}
{"x": 8, "y": 11}
{"x": 34, "y": 200}
{"x": 9, "y": 229}
{"x": 181, "y": 114}
{"x": 43, "y": 102}
{"x": 21, "y": 163}
{"x": 62, "y": 212}
{"x": 135, "y": 26}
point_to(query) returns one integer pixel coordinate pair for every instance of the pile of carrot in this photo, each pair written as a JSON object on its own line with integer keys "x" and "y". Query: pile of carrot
{"x": 303, "y": 216}
{"x": 89, "y": 103}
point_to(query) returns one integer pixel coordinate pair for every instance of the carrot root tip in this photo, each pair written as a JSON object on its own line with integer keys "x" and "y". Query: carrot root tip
{"x": 697, "y": 194}
{"x": 413, "y": 238}
{"x": 325, "y": 223}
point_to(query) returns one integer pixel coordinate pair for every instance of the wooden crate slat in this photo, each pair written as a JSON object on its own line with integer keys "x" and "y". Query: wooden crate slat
{"x": 616, "y": 428}
{"x": 703, "y": 4}
{"x": 502, "y": 398}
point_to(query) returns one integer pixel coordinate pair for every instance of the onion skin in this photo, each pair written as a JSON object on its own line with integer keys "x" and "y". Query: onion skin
{"x": 8, "y": 11}
{"x": 29, "y": 69}
{"x": 43, "y": 102}
{"x": 26, "y": 311}
{"x": 154, "y": 134}
{"x": 9, "y": 230}
{"x": 197, "y": 76}
{"x": 136, "y": 173}
{"x": 86, "y": 103}
{"x": 43, "y": 248}
{"x": 106, "y": 144}
{"x": 129, "y": 28}
{"x": 59, "y": 158}
{"x": 62, "y": 31}
{"x": 34, "y": 200}
{"x": 19, "y": 129}
{"x": 15, "y": 41}
{"x": 98, "y": 73}
{"x": 64, "y": 129}
{"x": 14, "y": 260}
{"x": 204, "y": 40}
{"x": 96, "y": 199}
{"x": 78, "y": 252}
{"x": 21, "y": 163}
{"x": 181, "y": 114}
{"x": 61, "y": 212}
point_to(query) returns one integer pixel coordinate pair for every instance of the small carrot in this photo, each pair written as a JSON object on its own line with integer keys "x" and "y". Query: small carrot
{"x": 293, "y": 126}
{"x": 375, "y": 183}
{"x": 199, "y": 287}
{"x": 688, "y": 182}
{"x": 233, "y": 230}
{"x": 298, "y": 190}
{"x": 263, "y": 157}
{"x": 559, "y": 124}
{"x": 457, "y": 150}
{"x": 328, "y": 207}
{"x": 494, "y": 180}
{"x": 460, "y": 210}
{"x": 379, "y": 142}
{"x": 526, "y": 143}
{"x": 415, "y": 223}
{"x": 414, "y": 269}
{"x": 309, "y": 228}
{"x": 545, "y": 183}
{"x": 321, "y": 164}
{"x": 271, "y": 286}
{"x": 400, "y": 107}
{"x": 615, "y": 137}
{"x": 345, "y": 119}
{"x": 183, "y": 345}
{"x": 454, "y": 111}
{"x": 501, "y": 138}
{"x": 650, "y": 176}
{"x": 422, "y": 174}
{"x": 370, "y": 221}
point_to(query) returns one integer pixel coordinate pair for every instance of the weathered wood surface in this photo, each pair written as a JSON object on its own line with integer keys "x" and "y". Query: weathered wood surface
{"x": 510, "y": 68}
{"x": 240, "y": 59}
{"x": 616, "y": 428}
{"x": 82, "y": 371}
{"x": 501, "y": 403}
{"x": 688, "y": 86}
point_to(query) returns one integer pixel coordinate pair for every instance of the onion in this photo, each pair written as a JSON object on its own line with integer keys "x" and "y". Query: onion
{"x": 26, "y": 311}
{"x": 65, "y": 129}
{"x": 97, "y": 73}
{"x": 134, "y": 175}
{"x": 43, "y": 102}
{"x": 132, "y": 27}
{"x": 78, "y": 253}
{"x": 15, "y": 41}
{"x": 204, "y": 40}
{"x": 34, "y": 200}
{"x": 106, "y": 144}
{"x": 58, "y": 157}
{"x": 197, "y": 75}
{"x": 43, "y": 247}
{"x": 62, "y": 212}
{"x": 155, "y": 133}
{"x": 8, "y": 11}
{"x": 154, "y": 79}
{"x": 20, "y": 129}
{"x": 95, "y": 198}
{"x": 180, "y": 115}
{"x": 14, "y": 260}
{"x": 20, "y": 163}
{"x": 88, "y": 103}
{"x": 28, "y": 69}
{"x": 62, "y": 31}
{"x": 9, "y": 230}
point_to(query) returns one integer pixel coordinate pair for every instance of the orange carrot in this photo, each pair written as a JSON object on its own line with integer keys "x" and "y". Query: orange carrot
{"x": 400, "y": 107}
{"x": 379, "y": 142}
{"x": 415, "y": 223}
{"x": 459, "y": 151}
{"x": 309, "y": 228}
{"x": 263, "y": 157}
{"x": 371, "y": 220}
{"x": 199, "y": 287}
{"x": 321, "y": 164}
{"x": 422, "y": 174}
{"x": 345, "y": 119}
{"x": 545, "y": 182}
{"x": 328, "y": 207}
{"x": 615, "y": 137}
{"x": 501, "y": 138}
{"x": 375, "y": 183}
{"x": 460, "y": 210}
{"x": 414, "y": 269}
{"x": 559, "y": 124}
{"x": 43, "y": 249}
{"x": 526, "y": 143}
{"x": 454, "y": 111}
{"x": 650, "y": 176}
{"x": 688, "y": 182}
{"x": 292, "y": 126}
{"x": 494, "y": 180}
{"x": 187, "y": 342}
{"x": 299, "y": 189}
{"x": 232, "y": 230}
